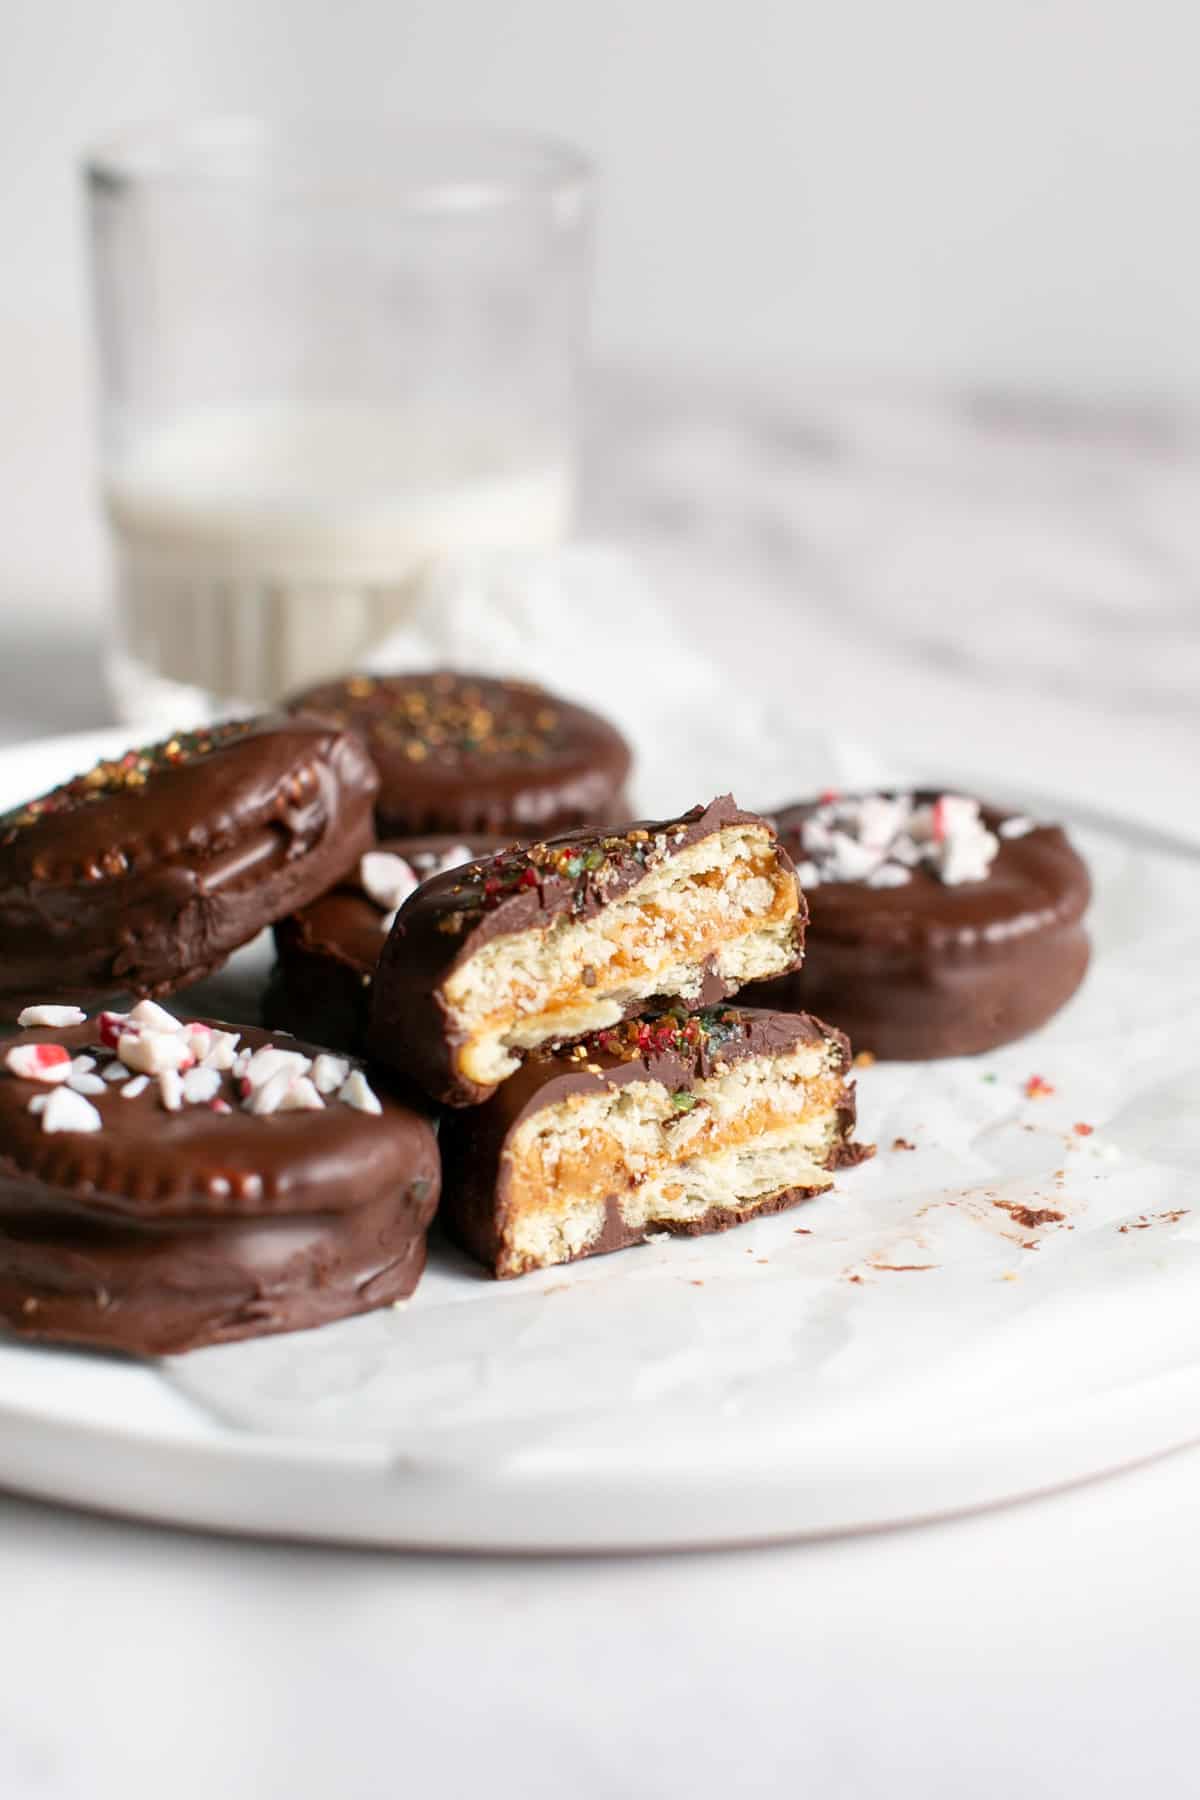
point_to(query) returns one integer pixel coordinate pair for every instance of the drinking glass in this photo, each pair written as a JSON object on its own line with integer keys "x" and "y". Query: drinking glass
{"x": 330, "y": 357}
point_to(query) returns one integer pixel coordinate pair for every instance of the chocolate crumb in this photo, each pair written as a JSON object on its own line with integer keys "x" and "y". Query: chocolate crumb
{"x": 902, "y": 1144}
{"x": 1030, "y": 1216}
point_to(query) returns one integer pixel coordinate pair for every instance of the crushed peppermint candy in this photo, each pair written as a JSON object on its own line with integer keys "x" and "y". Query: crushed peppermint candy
{"x": 266, "y": 1099}
{"x": 267, "y": 1063}
{"x": 301, "y": 1096}
{"x": 54, "y": 1018}
{"x": 148, "y": 1015}
{"x": 186, "y": 1061}
{"x": 388, "y": 879}
{"x": 66, "y": 1111}
{"x": 356, "y": 1091}
{"x": 879, "y": 839}
{"x": 110, "y": 1026}
{"x": 1016, "y": 827}
{"x": 329, "y": 1072}
{"x": 81, "y": 1082}
{"x": 170, "y": 1089}
{"x": 38, "y": 1062}
{"x": 152, "y": 1052}
{"x": 222, "y": 1050}
{"x": 200, "y": 1085}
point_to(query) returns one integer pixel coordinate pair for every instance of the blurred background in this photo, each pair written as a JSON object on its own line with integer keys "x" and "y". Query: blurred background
{"x": 893, "y": 322}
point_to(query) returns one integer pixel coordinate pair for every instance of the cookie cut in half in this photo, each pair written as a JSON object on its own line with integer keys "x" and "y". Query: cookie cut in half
{"x": 552, "y": 940}
{"x": 680, "y": 1124}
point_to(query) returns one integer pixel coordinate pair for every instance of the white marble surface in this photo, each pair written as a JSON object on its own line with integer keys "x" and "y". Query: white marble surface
{"x": 970, "y": 584}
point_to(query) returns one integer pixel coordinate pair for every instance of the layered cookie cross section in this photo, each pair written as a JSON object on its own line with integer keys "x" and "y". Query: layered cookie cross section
{"x": 680, "y": 1124}
{"x": 550, "y": 941}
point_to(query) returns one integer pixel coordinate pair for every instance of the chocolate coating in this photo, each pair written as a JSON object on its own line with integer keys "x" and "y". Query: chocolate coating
{"x": 165, "y": 1231}
{"x": 146, "y": 873}
{"x": 928, "y": 970}
{"x": 475, "y": 756}
{"x": 327, "y": 951}
{"x": 477, "y": 1175}
{"x": 449, "y": 919}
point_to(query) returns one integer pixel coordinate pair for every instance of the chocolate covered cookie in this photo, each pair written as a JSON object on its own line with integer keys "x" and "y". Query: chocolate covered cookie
{"x": 551, "y": 940}
{"x": 475, "y": 756}
{"x": 683, "y": 1124}
{"x": 144, "y": 873}
{"x": 166, "y": 1186}
{"x": 327, "y": 951}
{"x": 938, "y": 926}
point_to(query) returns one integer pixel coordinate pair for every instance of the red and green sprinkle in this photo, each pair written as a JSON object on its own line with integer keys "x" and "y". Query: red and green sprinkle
{"x": 121, "y": 774}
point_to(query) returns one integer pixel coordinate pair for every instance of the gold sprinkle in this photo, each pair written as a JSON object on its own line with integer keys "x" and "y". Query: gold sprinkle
{"x": 360, "y": 686}
{"x": 415, "y": 751}
{"x": 865, "y": 1059}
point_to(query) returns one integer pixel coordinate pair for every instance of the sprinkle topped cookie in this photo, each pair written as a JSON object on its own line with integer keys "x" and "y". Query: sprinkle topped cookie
{"x": 470, "y": 754}
{"x": 167, "y": 1183}
{"x": 142, "y": 874}
{"x": 939, "y": 926}
{"x": 556, "y": 939}
{"x": 118, "y": 775}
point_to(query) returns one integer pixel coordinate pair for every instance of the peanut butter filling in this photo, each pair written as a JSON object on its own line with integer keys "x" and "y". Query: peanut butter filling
{"x": 730, "y": 1143}
{"x": 557, "y": 1170}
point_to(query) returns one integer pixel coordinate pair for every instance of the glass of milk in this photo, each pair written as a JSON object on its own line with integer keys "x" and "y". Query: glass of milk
{"x": 331, "y": 358}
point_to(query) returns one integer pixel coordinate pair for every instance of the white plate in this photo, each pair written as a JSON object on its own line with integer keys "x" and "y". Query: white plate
{"x": 904, "y": 1347}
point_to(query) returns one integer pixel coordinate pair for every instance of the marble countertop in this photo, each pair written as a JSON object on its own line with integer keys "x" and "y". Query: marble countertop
{"x": 966, "y": 582}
